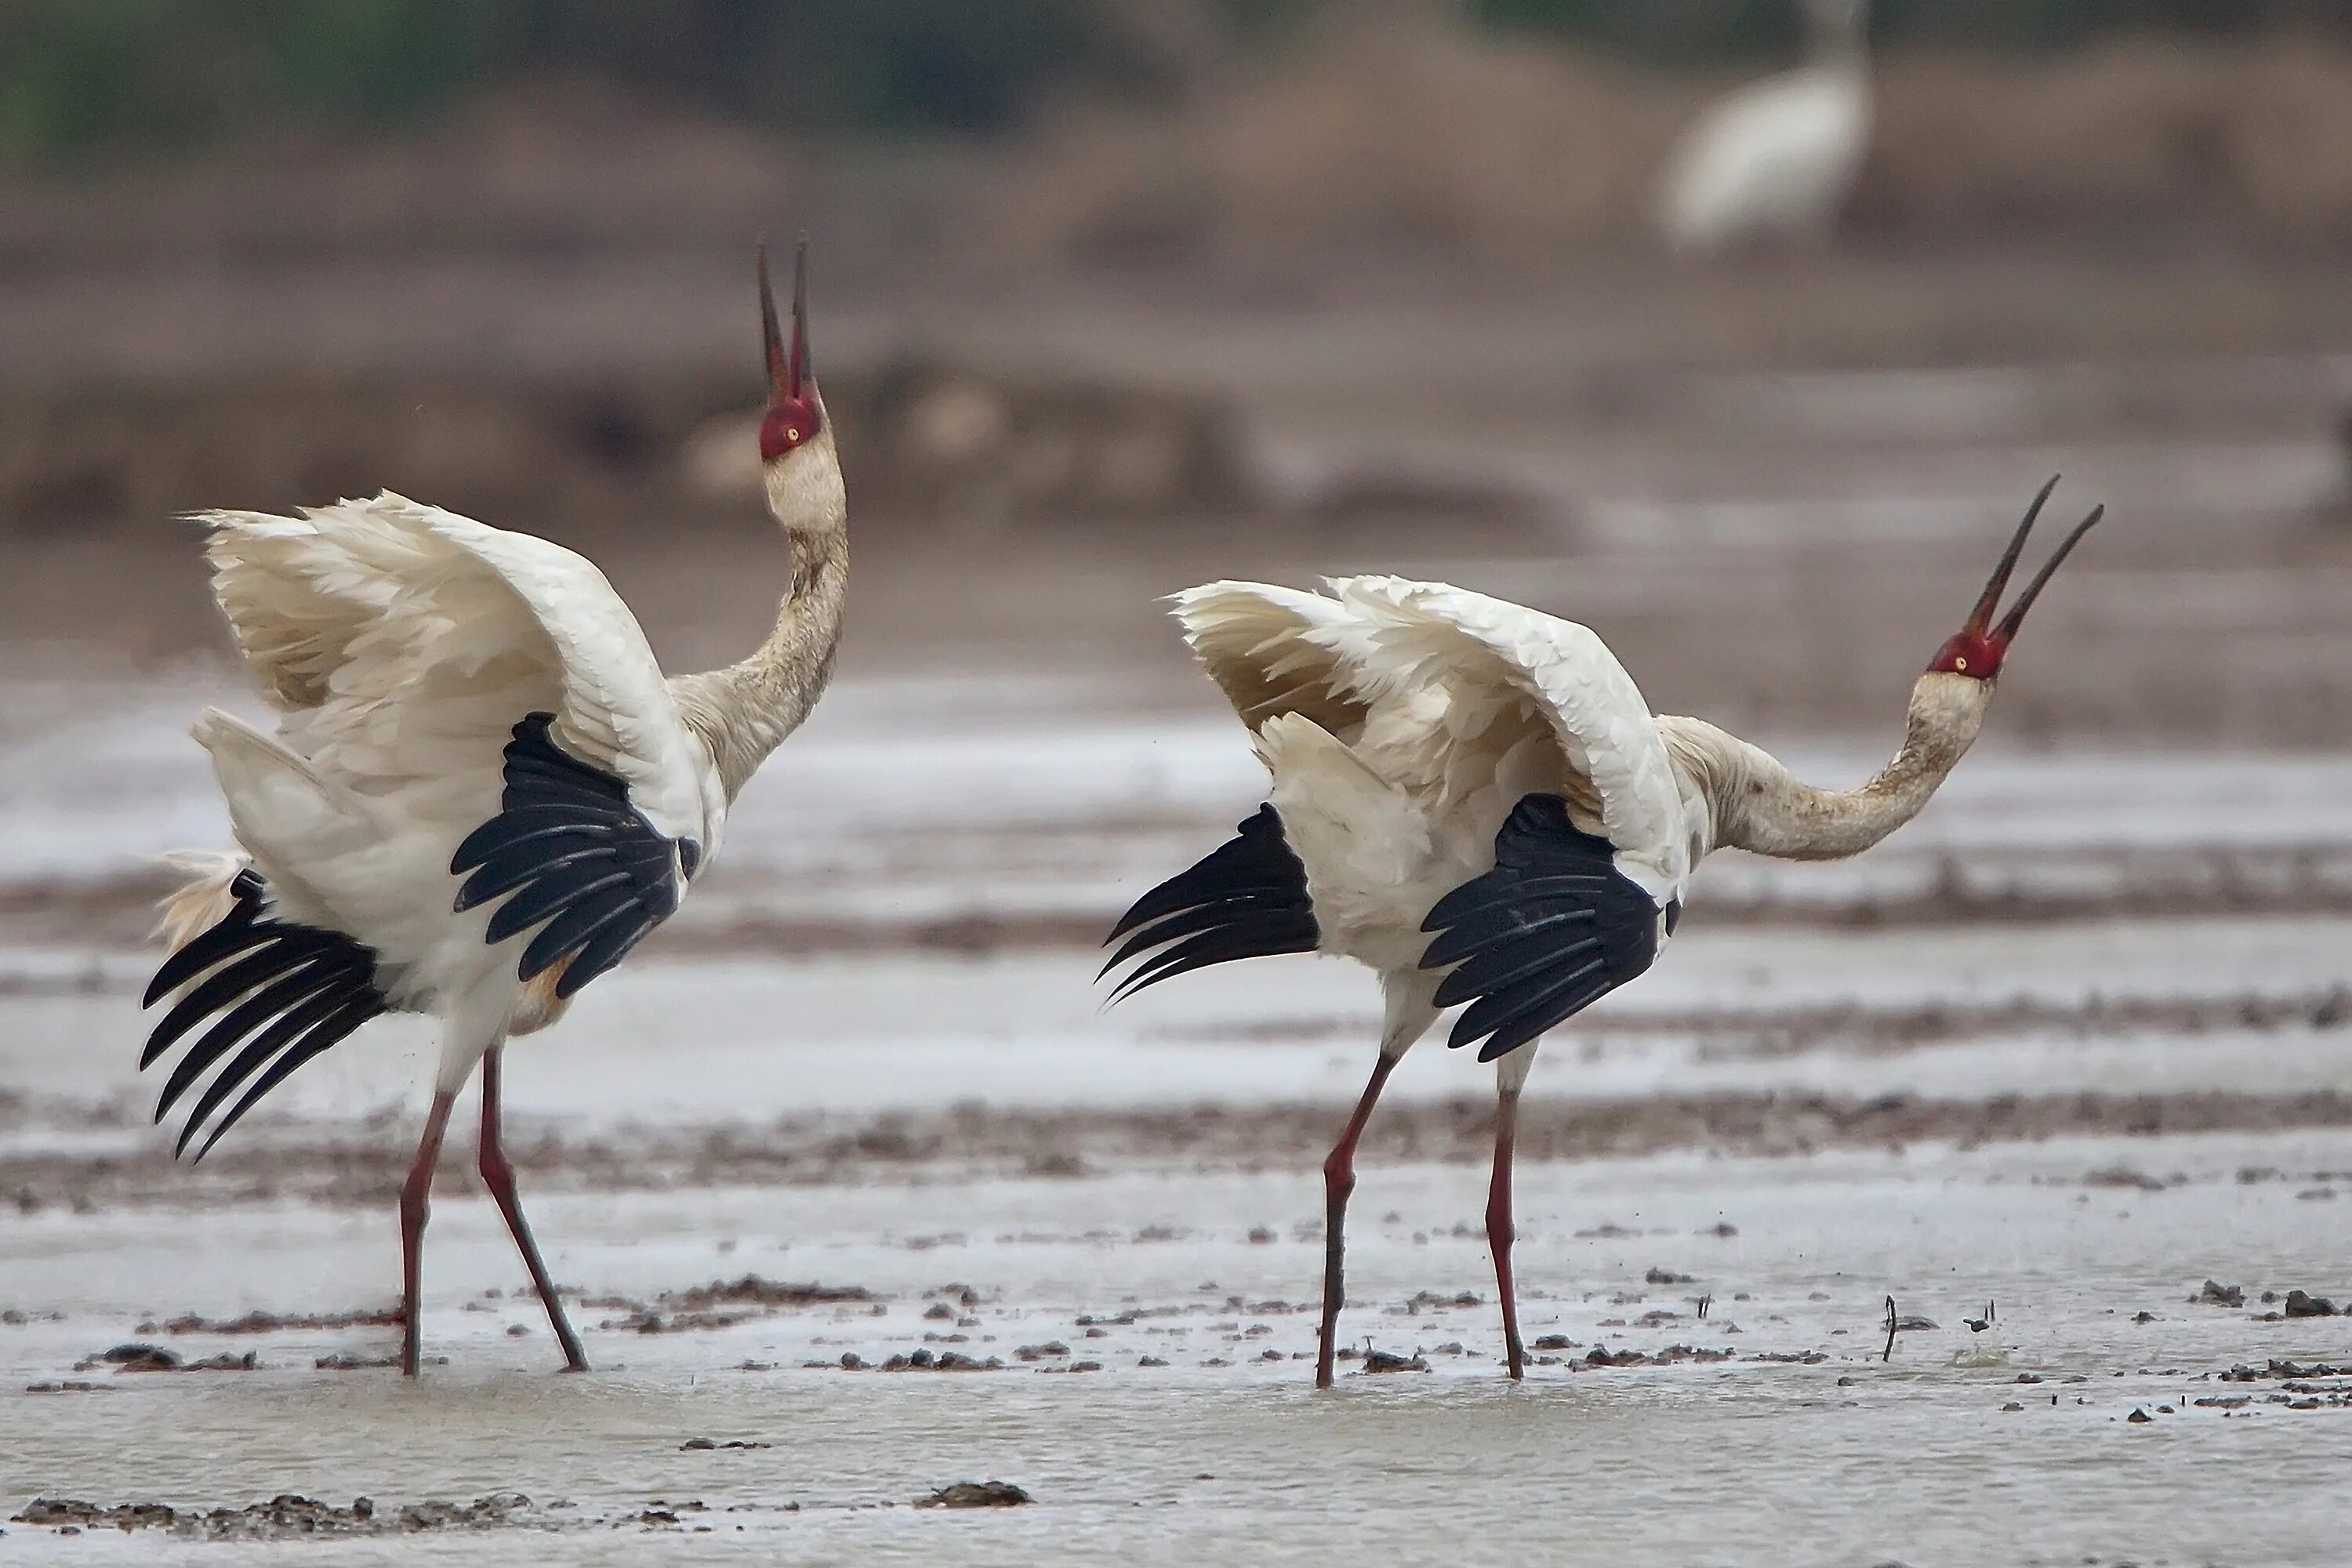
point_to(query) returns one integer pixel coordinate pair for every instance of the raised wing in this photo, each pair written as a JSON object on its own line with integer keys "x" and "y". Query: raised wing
{"x": 1552, "y": 930}
{"x": 1511, "y": 672}
{"x": 575, "y": 854}
{"x": 397, "y": 639}
{"x": 403, "y": 644}
{"x": 1274, "y": 650}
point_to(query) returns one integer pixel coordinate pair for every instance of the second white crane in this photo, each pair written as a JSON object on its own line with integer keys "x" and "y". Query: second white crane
{"x": 1473, "y": 799}
{"x": 1779, "y": 157}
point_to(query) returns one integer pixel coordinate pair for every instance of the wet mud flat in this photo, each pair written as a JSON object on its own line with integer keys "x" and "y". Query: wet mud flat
{"x": 803, "y": 1366}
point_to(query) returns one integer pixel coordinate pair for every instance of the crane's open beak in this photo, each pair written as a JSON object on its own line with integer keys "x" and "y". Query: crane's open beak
{"x": 1980, "y": 623}
{"x": 787, "y": 369}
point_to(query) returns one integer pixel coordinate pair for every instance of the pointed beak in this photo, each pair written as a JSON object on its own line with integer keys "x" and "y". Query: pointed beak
{"x": 788, "y": 369}
{"x": 1980, "y": 622}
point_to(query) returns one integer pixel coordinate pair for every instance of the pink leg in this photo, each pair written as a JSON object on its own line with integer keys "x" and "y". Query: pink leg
{"x": 1338, "y": 1180}
{"x": 498, "y": 1174}
{"x": 1498, "y": 1229}
{"x": 415, "y": 1205}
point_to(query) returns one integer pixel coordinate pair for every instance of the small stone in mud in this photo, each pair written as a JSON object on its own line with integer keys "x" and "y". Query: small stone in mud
{"x": 1039, "y": 1352}
{"x": 694, "y": 1443}
{"x": 2145, "y": 1317}
{"x": 2302, "y": 1304}
{"x": 940, "y": 1312}
{"x": 259, "y": 1322}
{"x": 2216, "y": 1294}
{"x": 2140, "y": 1418}
{"x": 72, "y": 1513}
{"x": 1261, "y": 1236}
{"x": 2012, "y": 1405}
{"x": 1666, "y": 1277}
{"x": 976, "y": 1494}
{"x": 1553, "y": 1342}
{"x": 1420, "y": 1298}
{"x": 751, "y": 1290}
{"x": 1388, "y": 1361}
{"x": 1150, "y": 1360}
{"x": 139, "y": 1357}
{"x": 339, "y": 1362}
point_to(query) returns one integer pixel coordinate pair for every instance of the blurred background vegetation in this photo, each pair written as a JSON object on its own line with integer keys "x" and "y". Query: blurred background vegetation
{"x": 83, "y": 76}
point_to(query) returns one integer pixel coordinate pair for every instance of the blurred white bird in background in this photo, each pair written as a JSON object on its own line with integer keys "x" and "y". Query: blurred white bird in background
{"x": 481, "y": 793}
{"x": 1778, "y": 158}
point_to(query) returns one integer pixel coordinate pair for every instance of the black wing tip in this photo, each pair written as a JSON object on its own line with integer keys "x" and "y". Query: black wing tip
{"x": 571, "y": 855}
{"x": 287, "y": 983}
{"x": 1546, "y": 932}
{"x": 223, "y": 939}
{"x": 1245, "y": 898}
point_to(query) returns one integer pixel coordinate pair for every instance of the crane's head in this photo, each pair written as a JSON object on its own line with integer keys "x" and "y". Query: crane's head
{"x": 1838, "y": 18}
{"x": 796, "y": 413}
{"x": 1976, "y": 649}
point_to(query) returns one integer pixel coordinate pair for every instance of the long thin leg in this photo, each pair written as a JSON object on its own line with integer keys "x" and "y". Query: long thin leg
{"x": 1500, "y": 1234}
{"x": 415, "y": 1205}
{"x": 1339, "y": 1182}
{"x": 498, "y": 1174}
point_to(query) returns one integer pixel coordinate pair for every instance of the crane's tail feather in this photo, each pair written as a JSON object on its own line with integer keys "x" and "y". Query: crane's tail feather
{"x": 1246, "y": 898}
{"x": 1552, "y": 930}
{"x": 201, "y": 902}
{"x": 285, "y": 992}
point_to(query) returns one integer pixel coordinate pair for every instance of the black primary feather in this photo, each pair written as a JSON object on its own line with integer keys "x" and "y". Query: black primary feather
{"x": 1246, "y": 898}
{"x": 282, "y": 991}
{"x": 1552, "y": 930}
{"x": 580, "y": 862}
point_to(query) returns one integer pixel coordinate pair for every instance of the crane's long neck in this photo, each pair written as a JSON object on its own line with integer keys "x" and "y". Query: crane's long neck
{"x": 744, "y": 711}
{"x": 1841, "y": 34}
{"x": 1754, "y": 802}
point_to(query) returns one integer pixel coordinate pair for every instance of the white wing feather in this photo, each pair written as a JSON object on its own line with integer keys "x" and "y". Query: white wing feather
{"x": 1494, "y": 657}
{"x": 1402, "y": 720}
{"x": 1274, "y": 650}
{"x": 400, "y": 644}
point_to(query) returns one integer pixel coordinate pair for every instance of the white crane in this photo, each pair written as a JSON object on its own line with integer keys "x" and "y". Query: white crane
{"x": 482, "y": 791}
{"x": 1473, "y": 799}
{"x": 1778, "y": 157}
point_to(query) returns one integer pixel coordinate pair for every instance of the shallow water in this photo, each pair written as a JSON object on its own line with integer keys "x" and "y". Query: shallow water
{"x": 800, "y": 1082}
{"x": 1913, "y": 1459}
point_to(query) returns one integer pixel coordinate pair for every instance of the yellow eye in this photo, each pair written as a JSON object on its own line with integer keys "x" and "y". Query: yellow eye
{"x": 790, "y": 434}
{"x": 1960, "y": 664}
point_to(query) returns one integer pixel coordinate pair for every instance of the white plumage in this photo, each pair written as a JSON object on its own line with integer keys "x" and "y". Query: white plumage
{"x": 400, "y": 643}
{"x": 1430, "y": 711}
{"x": 1473, "y": 799}
{"x": 482, "y": 791}
{"x": 1779, "y": 157}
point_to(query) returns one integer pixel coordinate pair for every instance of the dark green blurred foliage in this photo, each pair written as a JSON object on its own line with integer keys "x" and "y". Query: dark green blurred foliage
{"x": 83, "y": 73}
{"x": 99, "y": 74}
{"x": 1700, "y": 30}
